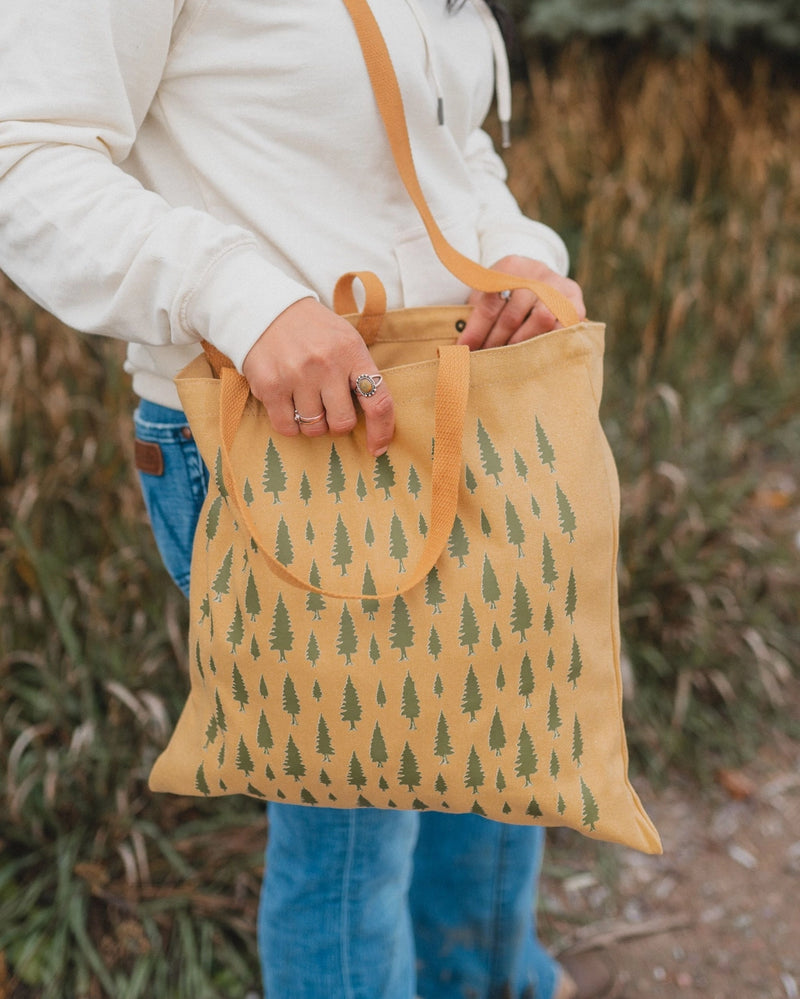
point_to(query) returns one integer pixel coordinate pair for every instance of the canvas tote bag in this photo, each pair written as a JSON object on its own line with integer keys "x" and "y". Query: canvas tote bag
{"x": 436, "y": 628}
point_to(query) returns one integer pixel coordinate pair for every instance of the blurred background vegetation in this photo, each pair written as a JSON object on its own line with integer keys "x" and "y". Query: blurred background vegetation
{"x": 661, "y": 139}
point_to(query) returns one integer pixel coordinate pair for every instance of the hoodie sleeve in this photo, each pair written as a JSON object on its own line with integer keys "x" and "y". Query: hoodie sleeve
{"x": 78, "y": 234}
{"x": 503, "y": 229}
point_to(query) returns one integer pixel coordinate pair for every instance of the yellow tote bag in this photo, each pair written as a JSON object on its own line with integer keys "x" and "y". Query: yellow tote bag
{"x": 433, "y": 629}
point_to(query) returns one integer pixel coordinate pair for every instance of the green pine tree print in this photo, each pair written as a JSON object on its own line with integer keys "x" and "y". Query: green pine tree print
{"x": 536, "y": 510}
{"x": 281, "y": 637}
{"x": 575, "y": 664}
{"x": 546, "y": 453}
{"x": 519, "y": 466}
{"x": 533, "y": 809}
{"x": 526, "y": 679}
{"x": 401, "y": 632}
{"x": 222, "y": 723}
{"x": 500, "y": 680}
{"x": 336, "y": 478}
{"x": 442, "y": 747}
{"x": 555, "y": 766}
{"x": 211, "y": 731}
{"x": 305, "y": 489}
{"x": 469, "y": 479}
{"x": 486, "y": 527}
{"x": 315, "y": 602}
{"x": 247, "y": 493}
{"x": 244, "y": 761}
{"x": 497, "y": 735}
{"x": 474, "y": 776}
{"x": 274, "y": 477}
{"x": 561, "y": 806}
{"x": 515, "y": 532}
{"x": 408, "y": 775}
{"x": 500, "y": 782}
{"x": 383, "y": 475}
{"x": 310, "y": 535}
{"x": 551, "y": 660}
{"x": 235, "y": 633}
{"x": 369, "y": 607}
{"x": 293, "y": 765}
{"x": 469, "y": 632}
{"x": 269, "y": 773}
{"x": 434, "y": 644}
{"x": 291, "y": 702}
{"x": 497, "y": 638}
{"x": 312, "y": 649}
{"x": 490, "y": 459}
{"x": 347, "y": 641}
{"x": 222, "y": 580}
{"x": 571, "y": 601}
{"x": 374, "y": 650}
{"x": 549, "y": 620}
{"x": 566, "y": 515}
{"x": 355, "y": 773}
{"x": 324, "y": 744}
{"x": 351, "y": 706}
{"x": 361, "y": 488}
{"x": 342, "y": 553}
{"x": 440, "y": 785}
{"x": 377, "y": 747}
{"x": 521, "y": 612}
{"x": 221, "y": 756}
{"x": 284, "y": 550}
{"x": 398, "y": 542}
{"x": 472, "y": 699}
{"x": 591, "y": 814}
{"x": 490, "y": 588}
{"x": 380, "y": 696}
{"x": 409, "y": 707}
{"x": 264, "y": 734}
{"x": 252, "y": 602}
{"x": 577, "y": 742}
{"x": 212, "y": 520}
{"x": 527, "y": 762}
{"x": 316, "y": 691}
{"x": 434, "y": 597}
{"x": 255, "y": 649}
{"x": 307, "y": 797}
{"x": 422, "y": 527}
{"x": 549, "y": 571}
{"x": 200, "y": 781}
{"x": 205, "y": 609}
{"x": 414, "y": 485}
{"x": 199, "y": 662}
{"x": 477, "y": 809}
{"x": 458, "y": 542}
{"x": 240, "y": 694}
{"x": 369, "y": 533}
{"x": 219, "y": 478}
{"x": 553, "y": 714}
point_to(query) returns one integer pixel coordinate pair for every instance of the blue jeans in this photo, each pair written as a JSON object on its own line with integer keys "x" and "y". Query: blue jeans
{"x": 370, "y": 904}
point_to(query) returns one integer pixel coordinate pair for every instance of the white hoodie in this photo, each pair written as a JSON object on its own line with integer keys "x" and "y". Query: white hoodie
{"x": 172, "y": 170}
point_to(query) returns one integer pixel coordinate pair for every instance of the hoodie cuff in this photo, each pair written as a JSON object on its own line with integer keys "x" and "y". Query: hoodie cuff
{"x": 525, "y": 238}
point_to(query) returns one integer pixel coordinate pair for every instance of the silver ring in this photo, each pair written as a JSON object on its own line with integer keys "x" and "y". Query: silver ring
{"x": 306, "y": 420}
{"x": 367, "y": 385}
{"x": 505, "y": 295}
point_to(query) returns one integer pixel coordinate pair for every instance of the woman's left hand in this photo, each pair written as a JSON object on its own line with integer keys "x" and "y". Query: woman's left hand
{"x": 496, "y": 320}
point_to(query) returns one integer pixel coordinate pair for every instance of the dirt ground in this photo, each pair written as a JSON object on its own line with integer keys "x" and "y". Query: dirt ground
{"x": 717, "y": 915}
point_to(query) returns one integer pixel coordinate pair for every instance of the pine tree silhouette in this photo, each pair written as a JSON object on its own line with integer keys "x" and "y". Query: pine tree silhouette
{"x": 469, "y": 632}
{"x": 324, "y": 745}
{"x": 546, "y": 453}
{"x": 497, "y": 638}
{"x": 555, "y": 766}
{"x": 553, "y": 714}
{"x": 521, "y": 613}
{"x": 307, "y": 797}
{"x": 281, "y": 637}
{"x": 442, "y": 747}
{"x": 500, "y": 781}
{"x": 347, "y": 641}
{"x": 312, "y": 649}
{"x": 293, "y": 765}
{"x": 374, "y": 650}
{"x": 458, "y": 542}
{"x": 408, "y": 775}
{"x": 200, "y": 781}
{"x": 383, "y": 474}
{"x": 497, "y": 735}
{"x": 284, "y": 550}
{"x": 533, "y": 809}
{"x": 255, "y": 650}
{"x": 500, "y": 681}
{"x": 551, "y": 660}
{"x": 240, "y": 694}
{"x": 221, "y": 721}
{"x": 561, "y": 805}
{"x": 236, "y": 630}
{"x": 351, "y": 706}
{"x": 472, "y": 699}
{"x": 571, "y": 601}
{"x": 526, "y": 763}
{"x": 401, "y": 632}
{"x": 486, "y": 527}
{"x": 342, "y": 554}
{"x": 252, "y": 603}
{"x": 398, "y": 543}
{"x": 369, "y": 534}
{"x": 515, "y": 532}
{"x": 434, "y": 643}
{"x": 369, "y": 607}
{"x": 434, "y": 596}
{"x": 474, "y": 776}
{"x": 361, "y": 488}
{"x": 490, "y": 459}
{"x": 566, "y": 515}
{"x": 244, "y": 761}
{"x": 526, "y": 680}
{"x": 316, "y": 691}
{"x": 274, "y": 478}
{"x": 469, "y": 479}
{"x": 211, "y": 731}
{"x": 377, "y": 747}
{"x": 219, "y": 478}
{"x": 438, "y": 686}
{"x": 291, "y": 702}
{"x": 264, "y": 735}
{"x": 490, "y": 588}
{"x": 409, "y": 707}
{"x": 336, "y": 477}
{"x": 575, "y": 664}
{"x": 212, "y": 520}
{"x": 577, "y": 742}
{"x": 305, "y": 489}
{"x": 440, "y": 785}
{"x": 222, "y": 580}
{"x": 535, "y": 508}
{"x": 549, "y": 571}
{"x": 414, "y": 484}
{"x": 310, "y": 535}
{"x": 380, "y": 695}
{"x": 519, "y": 465}
{"x": 422, "y": 527}
{"x": 549, "y": 620}
{"x": 315, "y": 602}
{"x": 355, "y": 773}
{"x": 591, "y": 813}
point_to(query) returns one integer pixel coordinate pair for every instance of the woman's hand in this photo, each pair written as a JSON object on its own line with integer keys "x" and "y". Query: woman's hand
{"x": 496, "y": 321}
{"x": 306, "y": 362}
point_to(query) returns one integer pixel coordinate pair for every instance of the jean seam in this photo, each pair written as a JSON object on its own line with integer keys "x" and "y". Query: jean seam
{"x": 346, "y": 877}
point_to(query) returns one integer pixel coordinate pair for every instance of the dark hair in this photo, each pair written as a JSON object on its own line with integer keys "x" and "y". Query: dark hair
{"x": 511, "y": 36}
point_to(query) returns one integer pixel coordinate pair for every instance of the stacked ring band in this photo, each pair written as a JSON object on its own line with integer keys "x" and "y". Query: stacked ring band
{"x": 306, "y": 420}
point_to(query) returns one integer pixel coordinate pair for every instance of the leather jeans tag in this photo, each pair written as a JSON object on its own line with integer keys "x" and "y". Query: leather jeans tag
{"x": 148, "y": 457}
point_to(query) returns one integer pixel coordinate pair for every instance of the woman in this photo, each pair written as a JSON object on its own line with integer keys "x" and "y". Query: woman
{"x": 178, "y": 170}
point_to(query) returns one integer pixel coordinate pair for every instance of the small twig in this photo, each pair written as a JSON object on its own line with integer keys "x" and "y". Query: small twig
{"x": 619, "y": 931}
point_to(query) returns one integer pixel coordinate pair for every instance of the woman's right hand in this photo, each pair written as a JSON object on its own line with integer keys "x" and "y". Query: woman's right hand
{"x": 307, "y": 361}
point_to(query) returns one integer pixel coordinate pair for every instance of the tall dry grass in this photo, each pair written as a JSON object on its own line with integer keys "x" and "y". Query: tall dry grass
{"x": 675, "y": 185}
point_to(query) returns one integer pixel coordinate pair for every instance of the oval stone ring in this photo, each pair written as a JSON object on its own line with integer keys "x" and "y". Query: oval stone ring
{"x": 367, "y": 385}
